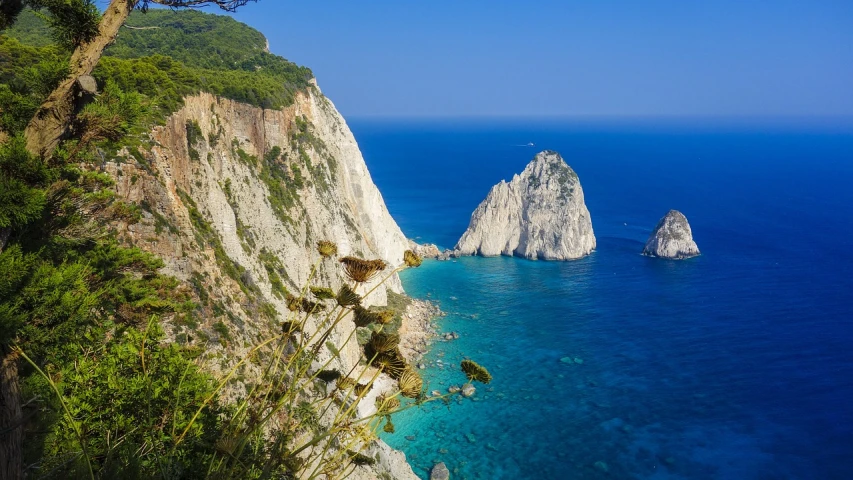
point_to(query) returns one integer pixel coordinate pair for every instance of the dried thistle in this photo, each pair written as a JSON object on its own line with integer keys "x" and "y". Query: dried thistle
{"x": 327, "y": 249}
{"x": 386, "y": 405}
{"x": 364, "y": 317}
{"x": 344, "y": 383}
{"x": 384, "y": 342}
{"x": 295, "y": 303}
{"x": 475, "y": 372}
{"x": 347, "y": 297}
{"x": 412, "y": 259}
{"x": 360, "y": 270}
{"x": 362, "y": 389}
{"x": 391, "y": 363}
{"x": 411, "y": 383}
{"x": 323, "y": 293}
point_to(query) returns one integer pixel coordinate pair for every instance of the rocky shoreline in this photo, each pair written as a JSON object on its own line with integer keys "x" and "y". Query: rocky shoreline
{"x": 418, "y": 329}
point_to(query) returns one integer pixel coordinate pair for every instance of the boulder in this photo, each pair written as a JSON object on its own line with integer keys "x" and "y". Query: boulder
{"x": 672, "y": 238}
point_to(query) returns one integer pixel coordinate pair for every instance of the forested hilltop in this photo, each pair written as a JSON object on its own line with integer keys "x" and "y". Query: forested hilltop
{"x": 165, "y": 56}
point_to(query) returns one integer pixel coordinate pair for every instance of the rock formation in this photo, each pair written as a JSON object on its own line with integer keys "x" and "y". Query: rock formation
{"x": 540, "y": 214}
{"x": 671, "y": 238}
{"x": 233, "y": 198}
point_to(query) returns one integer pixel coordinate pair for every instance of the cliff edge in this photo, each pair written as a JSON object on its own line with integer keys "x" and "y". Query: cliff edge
{"x": 539, "y": 214}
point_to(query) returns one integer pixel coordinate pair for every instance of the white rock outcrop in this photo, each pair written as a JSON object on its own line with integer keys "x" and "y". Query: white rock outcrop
{"x": 540, "y": 214}
{"x": 672, "y": 238}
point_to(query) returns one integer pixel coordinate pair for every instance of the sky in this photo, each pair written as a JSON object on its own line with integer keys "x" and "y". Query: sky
{"x": 570, "y": 57}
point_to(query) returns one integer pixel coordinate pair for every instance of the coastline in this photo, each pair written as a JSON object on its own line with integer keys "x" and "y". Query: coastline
{"x": 418, "y": 329}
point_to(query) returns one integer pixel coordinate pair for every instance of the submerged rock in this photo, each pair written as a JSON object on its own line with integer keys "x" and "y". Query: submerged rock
{"x": 540, "y": 214}
{"x": 672, "y": 238}
{"x": 439, "y": 472}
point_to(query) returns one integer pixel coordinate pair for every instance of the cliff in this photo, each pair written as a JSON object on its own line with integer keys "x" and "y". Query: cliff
{"x": 234, "y": 198}
{"x": 672, "y": 238}
{"x": 539, "y": 214}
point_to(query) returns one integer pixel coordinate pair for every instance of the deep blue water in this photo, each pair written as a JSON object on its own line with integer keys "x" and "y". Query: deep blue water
{"x": 737, "y": 364}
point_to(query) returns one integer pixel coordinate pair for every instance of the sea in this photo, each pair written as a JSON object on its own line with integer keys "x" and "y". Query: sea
{"x": 737, "y": 364}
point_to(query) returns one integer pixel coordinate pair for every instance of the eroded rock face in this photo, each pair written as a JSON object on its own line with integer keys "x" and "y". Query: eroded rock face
{"x": 672, "y": 238}
{"x": 540, "y": 214}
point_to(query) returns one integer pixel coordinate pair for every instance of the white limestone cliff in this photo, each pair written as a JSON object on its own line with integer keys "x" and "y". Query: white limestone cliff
{"x": 672, "y": 238}
{"x": 234, "y": 198}
{"x": 539, "y": 214}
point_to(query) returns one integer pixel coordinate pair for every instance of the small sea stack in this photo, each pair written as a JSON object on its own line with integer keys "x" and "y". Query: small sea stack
{"x": 672, "y": 238}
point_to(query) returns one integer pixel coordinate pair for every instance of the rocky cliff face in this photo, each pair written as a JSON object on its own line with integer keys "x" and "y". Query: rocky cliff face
{"x": 234, "y": 199}
{"x": 671, "y": 238}
{"x": 540, "y": 214}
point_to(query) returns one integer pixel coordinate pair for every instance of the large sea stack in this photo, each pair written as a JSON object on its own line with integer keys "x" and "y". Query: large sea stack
{"x": 540, "y": 214}
{"x": 672, "y": 238}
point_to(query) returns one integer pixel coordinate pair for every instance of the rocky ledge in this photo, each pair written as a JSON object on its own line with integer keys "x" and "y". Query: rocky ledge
{"x": 540, "y": 214}
{"x": 672, "y": 238}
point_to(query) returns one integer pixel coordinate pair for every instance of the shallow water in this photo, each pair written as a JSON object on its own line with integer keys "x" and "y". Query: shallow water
{"x": 735, "y": 364}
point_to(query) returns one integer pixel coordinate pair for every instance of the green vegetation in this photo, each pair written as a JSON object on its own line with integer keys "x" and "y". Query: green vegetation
{"x": 83, "y": 318}
{"x": 188, "y": 52}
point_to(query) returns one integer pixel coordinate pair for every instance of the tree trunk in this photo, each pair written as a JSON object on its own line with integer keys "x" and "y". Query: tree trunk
{"x": 52, "y": 119}
{"x": 11, "y": 419}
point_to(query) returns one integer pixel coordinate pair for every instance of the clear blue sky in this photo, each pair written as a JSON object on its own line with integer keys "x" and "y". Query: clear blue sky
{"x": 572, "y": 57}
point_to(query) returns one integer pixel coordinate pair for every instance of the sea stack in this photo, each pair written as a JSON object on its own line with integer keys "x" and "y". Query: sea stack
{"x": 672, "y": 238}
{"x": 540, "y": 214}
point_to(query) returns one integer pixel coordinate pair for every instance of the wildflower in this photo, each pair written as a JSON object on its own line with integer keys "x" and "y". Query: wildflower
{"x": 327, "y": 249}
{"x": 364, "y": 317}
{"x": 344, "y": 383}
{"x": 475, "y": 372}
{"x": 295, "y": 303}
{"x": 391, "y": 363}
{"x": 347, "y": 297}
{"x": 412, "y": 259}
{"x": 384, "y": 342}
{"x": 410, "y": 383}
{"x": 360, "y": 270}
{"x": 362, "y": 389}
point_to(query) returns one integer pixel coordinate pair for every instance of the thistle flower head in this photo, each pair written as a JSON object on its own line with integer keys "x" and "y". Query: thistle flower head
{"x": 412, "y": 259}
{"x": 362, "y": 389}
{"x": 391, "y": 363}
{"x": 347, "y": 297}
{"x": 323, "y": 293}
{"x": 363, "y": 317}
{"x": 384, "y": 342}
{"x": 360, "y": 270}
{"x": 327, "y": 249}
{"x": 295, "y": 304}
{"x": 344, "y": 383}
{"x": 386, "y": 405}
{"x": 410, "y": 383}
{"x": 475, "y": 372}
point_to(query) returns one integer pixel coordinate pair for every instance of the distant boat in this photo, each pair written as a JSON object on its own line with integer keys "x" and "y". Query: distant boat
{"x": 529, "y": 144}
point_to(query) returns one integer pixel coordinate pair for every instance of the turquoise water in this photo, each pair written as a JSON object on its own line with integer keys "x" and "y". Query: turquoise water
{"x": 733, "y": 365}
